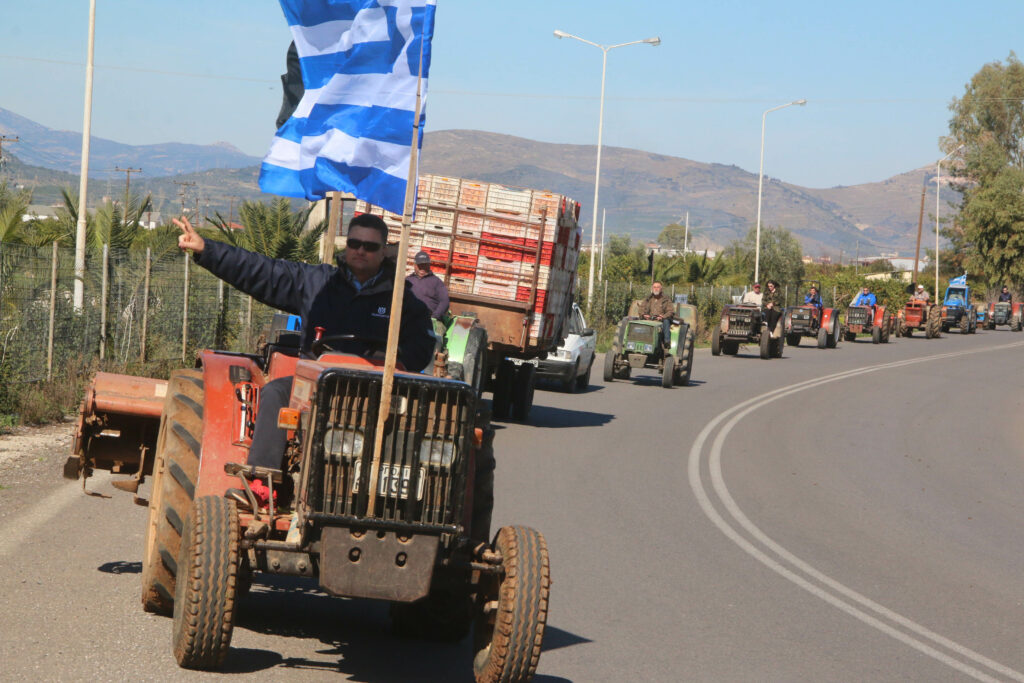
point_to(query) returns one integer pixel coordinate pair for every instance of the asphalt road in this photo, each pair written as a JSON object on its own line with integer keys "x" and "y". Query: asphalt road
{"x": 836, "y": 515}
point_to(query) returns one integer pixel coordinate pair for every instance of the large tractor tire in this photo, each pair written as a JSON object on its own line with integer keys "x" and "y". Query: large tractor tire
{"x": 876, "y": 335}
{"x": 965, "y": 324}
{"x": 716, "y": 342}
{"x": 609, "y": 365}
{"x": 686, "y": 364}
{"x": 474, "y": 361}
{"x": 765, "y": 344}
{"x": 510, "y": 633}
{"x": 175, "y": 473}
{"x": 886, "y": 330}
{"x": 776, "y": 347}
{"x": 793, "y": 339}
{"x": 204, "y": 599}
{"x": 523, "y": 391}
{"x": 933, "y": 326}
{"x": 668, "y": 371}
{"x": 1017, "y": 324}
{"x": 822, "y": 338}
{"x": 833, "y": 335}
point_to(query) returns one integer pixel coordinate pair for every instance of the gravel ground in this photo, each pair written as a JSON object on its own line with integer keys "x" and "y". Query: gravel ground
{"x": 31, "y": 463}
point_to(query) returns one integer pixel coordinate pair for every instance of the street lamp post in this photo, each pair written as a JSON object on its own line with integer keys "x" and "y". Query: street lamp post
{"x": 655, "y": 41}
{"x": 938, "y": 191}
{"x": 760, "y": 186}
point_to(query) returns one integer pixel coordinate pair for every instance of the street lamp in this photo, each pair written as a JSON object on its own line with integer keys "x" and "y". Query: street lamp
{"x": 655, "y": 41}
{"x": 938, "y": 190}
{"x": 760, "y": 185}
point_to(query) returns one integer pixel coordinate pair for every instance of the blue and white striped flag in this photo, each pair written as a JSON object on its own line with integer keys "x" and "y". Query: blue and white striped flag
{"x": 352, "y": 130}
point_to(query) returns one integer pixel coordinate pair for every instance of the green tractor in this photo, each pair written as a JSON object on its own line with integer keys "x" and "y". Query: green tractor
{"x": 639, "y": 344}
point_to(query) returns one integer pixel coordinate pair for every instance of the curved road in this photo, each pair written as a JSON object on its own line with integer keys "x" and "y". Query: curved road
{"x": 836, "y": 515}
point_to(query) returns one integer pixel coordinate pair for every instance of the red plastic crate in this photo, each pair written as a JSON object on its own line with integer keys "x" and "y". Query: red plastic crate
{"x": 547, "y": 252}
{"x": 496, "y": 240}
{"x": 464, "y": 260}
{"x": 502, "y": 252}
{"x": 437, "y": 255}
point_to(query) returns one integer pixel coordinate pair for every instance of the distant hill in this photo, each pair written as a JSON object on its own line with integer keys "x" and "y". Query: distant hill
{"x": 61, "y": 150}
{"x": 641, "y": 191}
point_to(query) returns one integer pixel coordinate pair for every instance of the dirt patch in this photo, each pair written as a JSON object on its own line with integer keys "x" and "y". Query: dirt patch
{"x": 32, "y": 456}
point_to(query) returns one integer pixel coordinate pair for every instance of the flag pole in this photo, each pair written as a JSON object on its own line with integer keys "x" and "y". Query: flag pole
{"x": 395, "y": 323}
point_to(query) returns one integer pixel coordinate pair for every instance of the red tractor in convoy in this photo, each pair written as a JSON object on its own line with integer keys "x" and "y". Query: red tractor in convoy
{"x": 807, "y": 320}
{"x": 407, "y": 522}
{"x": 919, "y": 315}
{"x": 1005, "y": 313}
{"x": 872, "y": 320}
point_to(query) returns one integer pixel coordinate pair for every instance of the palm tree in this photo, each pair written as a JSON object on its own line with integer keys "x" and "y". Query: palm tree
{"x": 13, "y": 205}
{"x": 274, "y": 230}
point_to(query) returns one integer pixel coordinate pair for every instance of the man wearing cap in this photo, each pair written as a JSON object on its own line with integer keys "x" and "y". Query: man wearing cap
{"x": 753, "y": 296}
{"x": 920, "y": 294}
{"x": 428, "y": 287}
{"x": 352, "y": 298}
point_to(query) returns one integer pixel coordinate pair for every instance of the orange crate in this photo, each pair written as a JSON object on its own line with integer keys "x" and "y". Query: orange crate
{"x": 503, "y": 226}
{"x": 487, "y": 266}
{"x": 460, "y": 285}
{"x": 435, "y": 241}
{"x": 546, "y": 200}
{"x": 464, "y": 246}
{"x": 508, "y": 200}
{"x": 495, "y": 290}
{"x": 473, "y": 195}
{"x": 439, "y": 220}
{"x": 464, "y": 260}
{"x": 501, "y": 251}
{"x": 505, "y": 241}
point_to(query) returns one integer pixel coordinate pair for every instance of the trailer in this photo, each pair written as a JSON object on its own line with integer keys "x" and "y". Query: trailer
{"x": 508, "y": 257}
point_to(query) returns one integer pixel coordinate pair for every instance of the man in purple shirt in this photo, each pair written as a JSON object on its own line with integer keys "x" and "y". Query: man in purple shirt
{"x": 428, "y": 287}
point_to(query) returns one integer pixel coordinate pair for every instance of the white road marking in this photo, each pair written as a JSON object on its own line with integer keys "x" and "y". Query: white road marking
{"x": 18, "y": 530}
{"x": 731, "y": 417}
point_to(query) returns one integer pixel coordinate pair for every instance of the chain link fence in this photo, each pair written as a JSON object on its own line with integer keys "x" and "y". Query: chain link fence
{"x": 138, "y": 310}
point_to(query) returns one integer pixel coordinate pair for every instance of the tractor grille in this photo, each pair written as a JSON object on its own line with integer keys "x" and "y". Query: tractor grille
{"x": 740, "y": 321}
{"x": 857, "y": 315}
{"x": 422, "y": 473}
{"x": 641, "y": 334}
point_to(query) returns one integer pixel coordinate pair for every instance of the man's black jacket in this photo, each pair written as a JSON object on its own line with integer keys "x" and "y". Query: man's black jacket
{"x": 323, "y": 296}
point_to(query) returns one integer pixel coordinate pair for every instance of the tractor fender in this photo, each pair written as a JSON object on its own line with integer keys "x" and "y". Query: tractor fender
{"x": 829, "y": 318}
{"x": 879, "y": 316}
{"x": 456, "y": 337}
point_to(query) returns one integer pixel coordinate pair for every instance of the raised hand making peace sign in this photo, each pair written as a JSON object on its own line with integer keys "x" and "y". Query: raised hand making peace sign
{"x": 189, "y": 238}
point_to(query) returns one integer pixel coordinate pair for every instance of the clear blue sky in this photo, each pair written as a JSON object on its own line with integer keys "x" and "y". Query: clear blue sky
{"x": 878, "y": 76}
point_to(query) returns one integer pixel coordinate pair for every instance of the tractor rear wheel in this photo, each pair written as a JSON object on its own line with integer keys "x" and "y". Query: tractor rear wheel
{"x": 765, "y": 343}
{"x": 668, "y": 372}
{"x": 175, "y": 473}
{"x": 510, "y": 631}
{"x": 832, "y": 340}
{"x": 965, "y": 324}
{"x": 876, "y": 335}
{"x": 716, "y": 342}
{"x": 204, "y": 599}
{"x": 683, "y": 375}
{"x": 886, "y": 328}
{"x": 609, "y": 365}
{"x": 822, "y": 338}
{"x": 776, "y": 346}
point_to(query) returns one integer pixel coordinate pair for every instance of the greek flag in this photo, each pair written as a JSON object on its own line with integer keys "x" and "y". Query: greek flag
{"x": 352, "y": 129}
{"x": 959, "y": 281}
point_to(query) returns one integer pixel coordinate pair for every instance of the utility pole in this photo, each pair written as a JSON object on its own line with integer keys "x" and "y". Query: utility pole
{"x": 856, "y": 266}
{"x": 183, "y": 192}
{"x": 686, "y": 233}
{"x": 127, "y": 185}
{"x": 83, "y": 174}
{"x": 920, "y": 222}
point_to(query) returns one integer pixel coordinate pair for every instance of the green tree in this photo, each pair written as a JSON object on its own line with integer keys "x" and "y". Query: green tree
{"x": 988, "y": 121}
{"x": 274, "y": 229}
{"x": 13, "y": 205}
{"x": 672, "y": 236}
{"x": 781, "y": 256}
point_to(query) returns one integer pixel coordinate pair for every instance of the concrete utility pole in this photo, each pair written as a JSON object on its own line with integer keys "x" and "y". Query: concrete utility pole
{"x": 920, "y": 222}
{"x": 183, "y": 192}
{"x": 83, "y": 184}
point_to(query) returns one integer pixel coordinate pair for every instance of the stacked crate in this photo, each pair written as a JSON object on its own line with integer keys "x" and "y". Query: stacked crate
{"x": 491, "y": 241}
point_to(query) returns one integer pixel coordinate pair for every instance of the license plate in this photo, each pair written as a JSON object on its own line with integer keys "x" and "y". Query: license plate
{"x": 393, "y": 481}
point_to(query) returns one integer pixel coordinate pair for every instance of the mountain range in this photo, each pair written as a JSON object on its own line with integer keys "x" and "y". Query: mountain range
{"x": 641, "y": 191}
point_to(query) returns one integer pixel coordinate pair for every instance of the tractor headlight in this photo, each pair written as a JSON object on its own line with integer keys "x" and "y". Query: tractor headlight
{"x": 437, "y": 451}
{"x": 346, "y": 442}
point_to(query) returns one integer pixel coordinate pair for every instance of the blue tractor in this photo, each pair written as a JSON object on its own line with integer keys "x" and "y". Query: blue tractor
{"x": 956, "y": 307}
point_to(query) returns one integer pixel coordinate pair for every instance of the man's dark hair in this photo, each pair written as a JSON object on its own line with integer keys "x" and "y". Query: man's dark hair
{"x": 368, "y": 220}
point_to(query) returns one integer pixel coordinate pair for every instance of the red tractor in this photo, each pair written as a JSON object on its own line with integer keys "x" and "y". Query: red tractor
{"x": 807, "y": 320}
{"x": 1005, "y": 313}
{"x": 873, "y": 320}
{"x": 919, "y": 315}
{"x": 400, "y": 523}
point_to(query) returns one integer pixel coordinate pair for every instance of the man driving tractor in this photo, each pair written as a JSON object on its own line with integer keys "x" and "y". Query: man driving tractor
{"x": 352, "y": 298}
{"x": 658, "y": 307}
{"x": 865, "y": 298}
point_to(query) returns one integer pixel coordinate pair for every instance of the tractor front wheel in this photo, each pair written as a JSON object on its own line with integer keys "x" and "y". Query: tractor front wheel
{"x": 686, "y": 364}
{"x": 876, "y": 335}
{"x": 609, "y": 365}
{"x": 204, "y": 598}
{"x": 716, "y": 342}
{"x": 175, "y": 474}
{"x": 668, "y": 372}
{"x": 765, "y": 343}
{"x": 510, "y": 630}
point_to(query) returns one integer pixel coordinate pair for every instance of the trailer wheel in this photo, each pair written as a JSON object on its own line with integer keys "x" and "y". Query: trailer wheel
{"x": 175, "y": 473}
{"x": 522, "y": 391}
{"x": 510, "y": 630}
{"x": 204, "y": 599}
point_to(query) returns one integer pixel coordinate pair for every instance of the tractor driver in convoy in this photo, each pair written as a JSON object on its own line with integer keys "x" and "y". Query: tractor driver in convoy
{"x": 352, "y": 298}
{"x": 920, "y": 294}
{"x": 865, "y": 298}
{"x": 813, "y": 298}
{"x": 1005, "y": 295}
{"x": 658, "y": 307}
{"x": 753, "y": 296}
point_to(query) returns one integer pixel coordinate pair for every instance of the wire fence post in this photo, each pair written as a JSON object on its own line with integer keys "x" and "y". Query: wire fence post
{"x": 184, "y": 314}
{"x": 53, "y": 311}
{"x": 104, "y": 291}
{"x": 145, "y": 306}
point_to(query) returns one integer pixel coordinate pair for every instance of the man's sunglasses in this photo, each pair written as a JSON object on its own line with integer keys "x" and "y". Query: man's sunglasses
{"x": 369, "y": 247}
